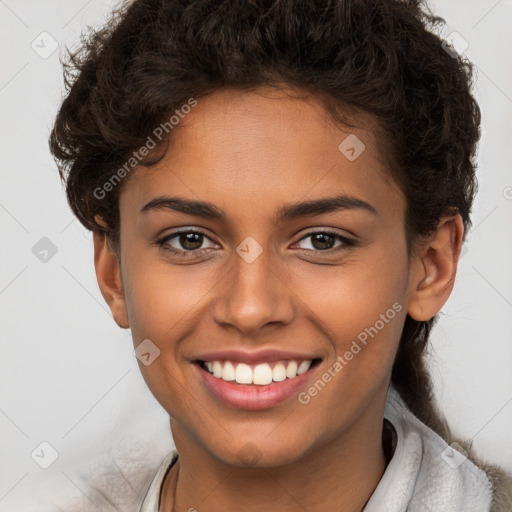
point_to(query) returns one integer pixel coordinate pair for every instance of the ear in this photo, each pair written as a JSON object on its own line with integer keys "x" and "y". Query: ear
{"x": 108, "y": 273}
{"x": 434, "y": 268}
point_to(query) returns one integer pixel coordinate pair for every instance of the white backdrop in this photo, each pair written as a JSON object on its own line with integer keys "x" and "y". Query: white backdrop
{"x": 68, "y": 374}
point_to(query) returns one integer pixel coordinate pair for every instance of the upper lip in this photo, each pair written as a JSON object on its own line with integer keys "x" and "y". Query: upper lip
{"x": 261, "y": 356}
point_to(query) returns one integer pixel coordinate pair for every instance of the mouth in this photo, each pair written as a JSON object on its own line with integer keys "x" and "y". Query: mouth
{"x": 255, "y": 386}
{"x": 261, "y": 374}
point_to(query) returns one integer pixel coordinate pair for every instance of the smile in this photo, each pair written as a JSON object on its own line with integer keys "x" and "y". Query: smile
{"x": 261, "y": 374}
{"x": 255, "y": 386}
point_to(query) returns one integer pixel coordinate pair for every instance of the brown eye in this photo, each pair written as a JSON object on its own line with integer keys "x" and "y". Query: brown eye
{"x": 190, "y": 241}
{"x": 185, "y": 243}
{"x": 324, "y": 241}
{"x": 321, "y": 241}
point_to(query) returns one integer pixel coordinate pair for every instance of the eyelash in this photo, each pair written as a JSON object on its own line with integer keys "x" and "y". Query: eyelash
{"x": 347, "y": 242}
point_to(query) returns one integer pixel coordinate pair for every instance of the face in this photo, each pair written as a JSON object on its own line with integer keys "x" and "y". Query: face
{"x": 262, "y": 282}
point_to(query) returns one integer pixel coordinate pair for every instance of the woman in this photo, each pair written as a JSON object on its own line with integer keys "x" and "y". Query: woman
{"x": 279, "y": 192}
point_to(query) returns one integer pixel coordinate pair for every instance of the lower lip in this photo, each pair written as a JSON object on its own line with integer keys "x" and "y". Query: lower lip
{"x": 254, "y": 397}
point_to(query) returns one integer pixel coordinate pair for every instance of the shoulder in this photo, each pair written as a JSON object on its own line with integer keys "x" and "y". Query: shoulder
{"x": 428, "y": 472}
{"x": 151, "y": 500}
{"x": 117, "y": 483}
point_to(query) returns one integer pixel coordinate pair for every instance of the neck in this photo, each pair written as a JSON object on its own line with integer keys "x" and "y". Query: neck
{"x": 344, "y": 471}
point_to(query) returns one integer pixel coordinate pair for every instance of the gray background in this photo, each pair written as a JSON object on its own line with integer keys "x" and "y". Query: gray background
{"x": 68, "y": 373}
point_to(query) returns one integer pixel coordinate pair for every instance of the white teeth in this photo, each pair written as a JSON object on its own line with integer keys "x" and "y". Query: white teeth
{"x": 279, "y": 372}
{"x": 303, "y": 367}
{"x": 291, "y": 369}
{"x": 228, "y": 372}
{"x": 243, "y": 374}
{"x": 262, "y": 374}
{"x": 217, "y": 369}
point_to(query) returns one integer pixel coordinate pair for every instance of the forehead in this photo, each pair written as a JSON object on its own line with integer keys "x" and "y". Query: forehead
{"x": 240, "y": 148}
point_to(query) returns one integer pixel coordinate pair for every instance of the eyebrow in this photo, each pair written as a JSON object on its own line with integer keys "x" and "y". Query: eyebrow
{"x": 288, "y": 212}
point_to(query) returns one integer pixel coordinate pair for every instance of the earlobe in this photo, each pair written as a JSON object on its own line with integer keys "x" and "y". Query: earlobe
{"x": 108, "y": 274}
{"x": 433, "y": 272}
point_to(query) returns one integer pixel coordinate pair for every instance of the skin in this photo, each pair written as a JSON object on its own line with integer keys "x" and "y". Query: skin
{"x": 251, "y": 153}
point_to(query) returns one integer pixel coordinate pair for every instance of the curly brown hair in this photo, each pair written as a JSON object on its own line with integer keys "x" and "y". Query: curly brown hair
{"x": 382, "y": 58}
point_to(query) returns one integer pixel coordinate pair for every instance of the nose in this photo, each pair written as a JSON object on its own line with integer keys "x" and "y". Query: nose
{"x": 253, "y": 295}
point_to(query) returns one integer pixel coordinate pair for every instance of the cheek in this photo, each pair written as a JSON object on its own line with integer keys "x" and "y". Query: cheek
{"x": 353, "y": 296}
{"x": 361, "y": 310}
{"x": 161, "y": 306}
{"x": 362, "y": 316}
{"x": 160, "y": 299}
